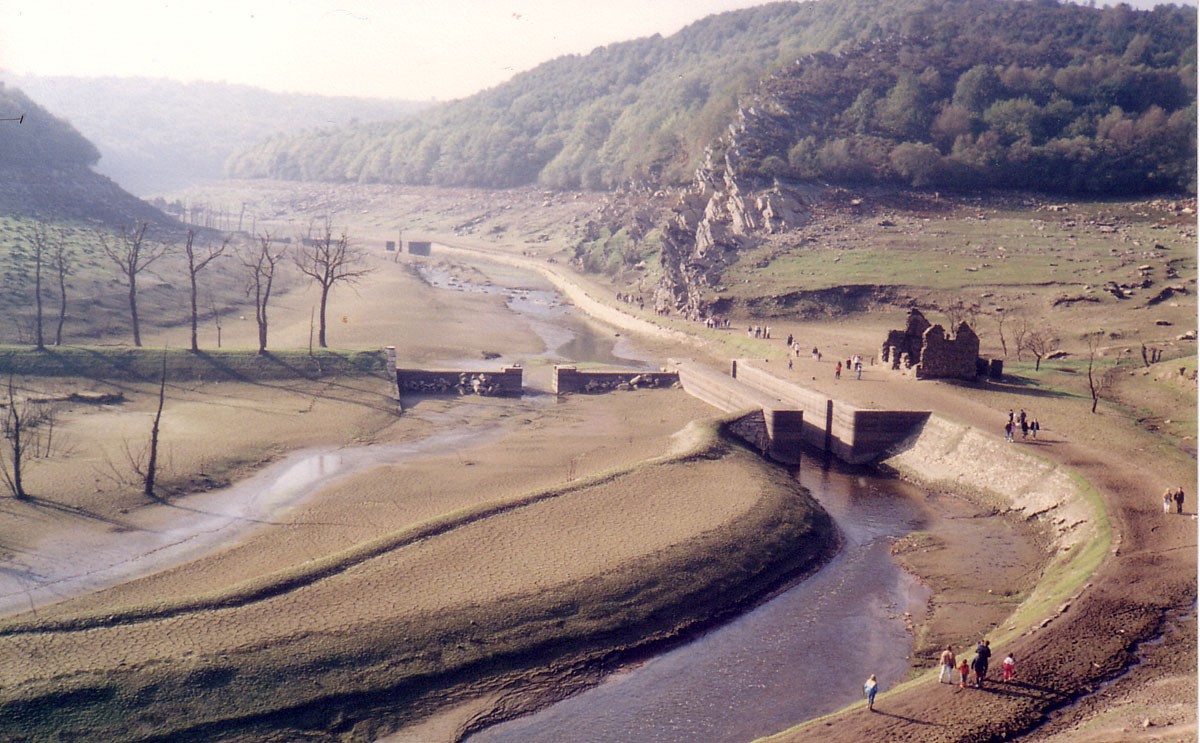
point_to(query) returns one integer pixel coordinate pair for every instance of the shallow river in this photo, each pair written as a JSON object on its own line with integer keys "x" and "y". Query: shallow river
{"x": 804, "y": 653}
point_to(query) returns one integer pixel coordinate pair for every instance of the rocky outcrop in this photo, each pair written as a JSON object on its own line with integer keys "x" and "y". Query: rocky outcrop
{"x": 722, "y": 214}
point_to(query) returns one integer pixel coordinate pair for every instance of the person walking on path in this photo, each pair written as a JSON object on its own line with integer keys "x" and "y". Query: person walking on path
{"x": 1168, "y": 499}
{"x": 1179, "y": 500}
{"x": 980, "y": 663}
{"x": 1010, "y": 667}
{"x": 837, "y": 370}
{"x": 963, "y": 672}
{"x": 869, "y": 690}
{"x": 1008, "y": 433}
{"x": 947, "y": 664}
{"x": 1034, "y": 426}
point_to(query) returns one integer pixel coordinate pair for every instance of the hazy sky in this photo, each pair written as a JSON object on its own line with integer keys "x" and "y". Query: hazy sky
{"x": 415, "y": 49}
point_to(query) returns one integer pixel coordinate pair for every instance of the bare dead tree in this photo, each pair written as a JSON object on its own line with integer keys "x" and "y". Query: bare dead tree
{"x": 1001, "y": 316}
{"x": 262, "y": 261}
{"x": 21, "y": 426}
{"x": 148, "y": 477}
{"x": 329, "y": 261}
{"x": 1098, "y": 383}
{"x": 63, "y": 259}
{"x": 959, "y": 312}
{"x": 216, "y": 316}
{"x": 198, "y": 259}
{"x": 1039, "y": 342}
{"x": 132, "y": 253}
{"x": 41, "y": 249}
{"x": 1023, "y": 328}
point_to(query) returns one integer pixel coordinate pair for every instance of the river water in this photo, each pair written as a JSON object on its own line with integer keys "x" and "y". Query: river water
{"x": 801, "y": 654}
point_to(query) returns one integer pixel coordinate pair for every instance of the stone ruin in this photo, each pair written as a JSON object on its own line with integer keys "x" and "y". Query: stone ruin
{"x": 930, "y": 353}
{"x": 569, "y": 379}
{"x": 505, "y": 383}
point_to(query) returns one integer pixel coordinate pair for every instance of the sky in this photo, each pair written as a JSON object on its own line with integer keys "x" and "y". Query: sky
{"x": 408, "y": 49}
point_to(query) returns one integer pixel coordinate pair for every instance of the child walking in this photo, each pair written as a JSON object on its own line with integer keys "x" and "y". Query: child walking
{"x": 1010, "y": 667}
{"x": 964, "y": 671}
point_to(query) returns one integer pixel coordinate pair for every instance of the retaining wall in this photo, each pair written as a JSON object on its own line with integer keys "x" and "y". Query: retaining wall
{"x": 504, "y": 383}
{"x": 568, "y": 379}
{"x": 962, "y": 459}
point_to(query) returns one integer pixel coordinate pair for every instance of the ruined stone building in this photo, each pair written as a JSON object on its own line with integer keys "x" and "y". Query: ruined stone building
{"x": 929, "y": 352}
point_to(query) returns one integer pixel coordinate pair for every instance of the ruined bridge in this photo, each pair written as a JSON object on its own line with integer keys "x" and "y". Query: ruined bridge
{"x": 793, "y": 416}
{"x": 785, "y": 417}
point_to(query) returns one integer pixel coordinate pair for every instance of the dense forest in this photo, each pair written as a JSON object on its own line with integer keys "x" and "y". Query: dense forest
{"x": 155, "y": 136}
{"x": 947, "y": 93}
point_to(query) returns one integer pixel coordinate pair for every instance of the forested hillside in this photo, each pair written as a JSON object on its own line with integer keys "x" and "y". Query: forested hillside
{"x": 157, "y": 135}
{"x": 954, "y": 93}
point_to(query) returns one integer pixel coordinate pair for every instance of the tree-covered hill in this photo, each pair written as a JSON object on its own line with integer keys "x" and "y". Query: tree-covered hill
{"x": 155, "y": 136}
{"x": 970, "y": 93}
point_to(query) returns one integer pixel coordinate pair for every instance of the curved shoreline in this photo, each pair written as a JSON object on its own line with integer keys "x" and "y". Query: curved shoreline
{"x": 948, "y": 456}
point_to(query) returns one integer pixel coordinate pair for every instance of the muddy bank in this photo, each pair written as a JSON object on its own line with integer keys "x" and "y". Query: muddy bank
{"x": 1053, "y": 506}
{"x": 441, "y": 629}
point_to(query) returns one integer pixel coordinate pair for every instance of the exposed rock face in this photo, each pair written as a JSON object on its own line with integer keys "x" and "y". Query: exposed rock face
{"x": 729, "y": 208}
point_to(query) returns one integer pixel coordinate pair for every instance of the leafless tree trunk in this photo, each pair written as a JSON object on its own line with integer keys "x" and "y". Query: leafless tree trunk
{"x": 152, "y": 461}
{"x": 1097, "y": 382}
{"x": 197, "y": 261}
{"x": 20, "y": 425}
{"x": 329, "y": 261}
{"x": 1001, "y": 316}
{"x": 63, "y": 258}
{"x": 133, "y": 254}
{"x": 960, "y": 312}
{"x": 41, "y": 247}
{"x": 1039, "y": 342}
{"x": 216, "y": 316}
{"x": 14, "y": 428}
{"x": 262, "y": 262}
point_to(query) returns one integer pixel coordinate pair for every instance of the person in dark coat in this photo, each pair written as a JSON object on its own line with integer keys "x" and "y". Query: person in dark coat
{"x": 979, "y": 664}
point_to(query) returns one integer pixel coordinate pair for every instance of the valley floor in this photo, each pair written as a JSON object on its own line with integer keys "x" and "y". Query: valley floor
{"x": 1119, "y": 655}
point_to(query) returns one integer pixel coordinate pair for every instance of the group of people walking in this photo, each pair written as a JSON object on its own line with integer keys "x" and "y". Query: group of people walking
{"x": 978, "y": 665}
{"x": 1027, "y": 425}
{"x": 952, "y": 667}
{"x": 1173, "y": 498}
